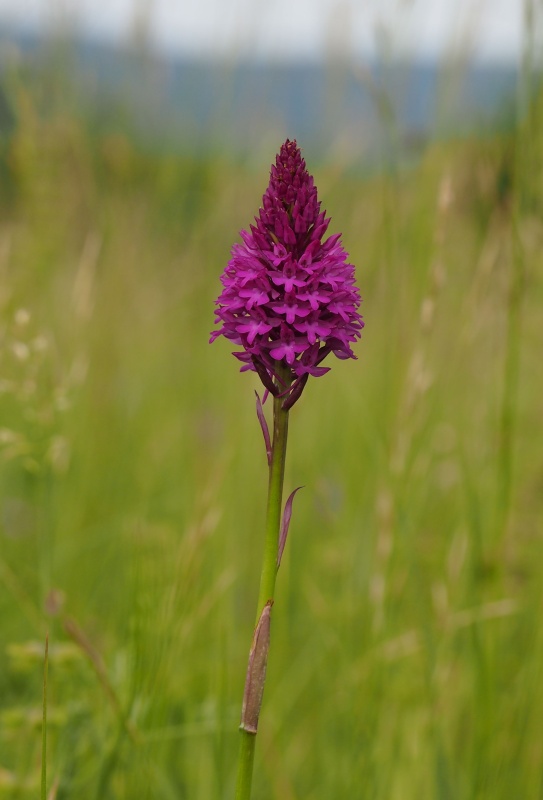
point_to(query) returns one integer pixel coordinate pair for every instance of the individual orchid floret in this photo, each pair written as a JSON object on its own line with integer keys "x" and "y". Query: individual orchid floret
{"x": 289, "y": 297}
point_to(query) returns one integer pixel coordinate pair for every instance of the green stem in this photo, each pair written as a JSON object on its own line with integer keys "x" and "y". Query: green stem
{"x": 509, "y": 402}
{"x": 269, "y": 564}
{"x": 245, "y": 765}
{"x": 44, "y": 723}
{"x": 274, "y": 509}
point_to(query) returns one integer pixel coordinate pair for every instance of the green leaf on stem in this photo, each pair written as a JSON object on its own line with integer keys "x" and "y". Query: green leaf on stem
{"x": 285, "y": 522}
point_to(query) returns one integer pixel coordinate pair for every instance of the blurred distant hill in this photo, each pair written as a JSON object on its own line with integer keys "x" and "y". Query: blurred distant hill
{"x": 390, "y": 109}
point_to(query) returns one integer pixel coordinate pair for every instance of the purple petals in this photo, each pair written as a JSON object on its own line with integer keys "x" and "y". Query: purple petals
{"x": 314, "y": 327}
{"x": 290, "y": 308}
{"x": 343, "y": 304}
{"x": 307, "y": 365}
{"x": 306, "y": 259}
{"x": 287, "y": 351}
{"x": 280, "y": 253}
{"x": 288, "y": 295}
{"x": 315, "y": 297}
{"x": 288, "y": 346}
{"x": 289, "y": 278}
{"x": 285, "y": 522}
{"x": 254, "y": 296}
{"x": 317, "y": 372}
{"x": 253, "y": 326}
{"x": 265, "y": 430}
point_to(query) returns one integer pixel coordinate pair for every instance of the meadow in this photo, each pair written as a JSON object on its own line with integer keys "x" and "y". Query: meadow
{"x": 407, "y": 648}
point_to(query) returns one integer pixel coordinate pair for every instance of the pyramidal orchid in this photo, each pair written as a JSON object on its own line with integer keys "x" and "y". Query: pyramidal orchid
{"x": 289, "y": 297}
{"x": 289, "y": 300}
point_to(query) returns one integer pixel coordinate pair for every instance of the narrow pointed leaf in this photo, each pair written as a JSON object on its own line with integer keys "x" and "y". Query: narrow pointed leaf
{"x": 283, "y": 533}
{"x": 256, "y": 672}
{"x": 265, "y": 429}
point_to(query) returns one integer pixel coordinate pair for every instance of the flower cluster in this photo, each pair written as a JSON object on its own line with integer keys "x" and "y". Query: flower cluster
{"x": 289, "y": 298}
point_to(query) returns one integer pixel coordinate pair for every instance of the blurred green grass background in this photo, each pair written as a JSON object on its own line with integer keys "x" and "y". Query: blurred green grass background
{"x": 407, "y": 651}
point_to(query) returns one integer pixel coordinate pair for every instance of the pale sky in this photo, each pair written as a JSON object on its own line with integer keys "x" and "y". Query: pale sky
{"x": 279, "y": 29}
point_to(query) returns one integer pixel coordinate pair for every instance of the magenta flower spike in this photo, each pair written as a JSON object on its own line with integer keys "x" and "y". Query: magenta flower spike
{"x": 289, "y": 297}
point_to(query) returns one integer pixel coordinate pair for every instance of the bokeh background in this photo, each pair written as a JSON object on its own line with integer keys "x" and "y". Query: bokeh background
{"x": 407, "y": 651}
